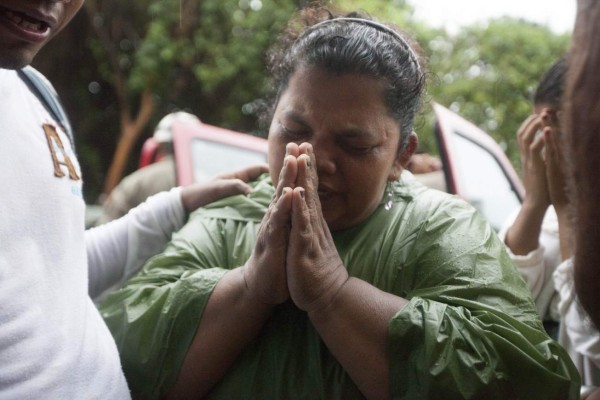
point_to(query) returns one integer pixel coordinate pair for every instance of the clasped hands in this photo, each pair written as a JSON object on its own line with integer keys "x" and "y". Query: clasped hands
{"x": 294, "y": 255}
{"x": 542, "y": 159}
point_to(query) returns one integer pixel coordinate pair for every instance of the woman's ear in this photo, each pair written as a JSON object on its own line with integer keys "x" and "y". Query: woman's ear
{"x": 403, "y": 157}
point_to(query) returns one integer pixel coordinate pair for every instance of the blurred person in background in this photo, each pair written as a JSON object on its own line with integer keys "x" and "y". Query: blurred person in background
{"x": 538, "y": 236}
{"x": 541, "y": 237}
{"x": 423, "y": 163}
{"x": 151, "y": 179}
{"x": 583, "y": 119}
{"x": 583, "y": 146}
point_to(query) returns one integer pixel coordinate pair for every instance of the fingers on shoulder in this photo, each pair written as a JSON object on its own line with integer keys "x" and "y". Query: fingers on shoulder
{"x": 230, "y": 187}
{"x": 246, "y": 174}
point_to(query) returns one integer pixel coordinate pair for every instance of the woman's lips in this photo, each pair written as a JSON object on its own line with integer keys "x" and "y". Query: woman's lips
{"x": 325, "y": 194}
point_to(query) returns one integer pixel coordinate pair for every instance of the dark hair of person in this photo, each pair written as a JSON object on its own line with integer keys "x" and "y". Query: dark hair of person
{"x": 350, "y": 47}
{"x": 551, "y": 88}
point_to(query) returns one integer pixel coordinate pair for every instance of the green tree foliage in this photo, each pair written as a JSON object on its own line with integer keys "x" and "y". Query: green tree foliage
{"x": 185, "y": 54}
{"x": 119, "y": 58}
{"x": 209, "y": 56}
{"x": 487, "y": 73}
{"x": 157, "y": 56}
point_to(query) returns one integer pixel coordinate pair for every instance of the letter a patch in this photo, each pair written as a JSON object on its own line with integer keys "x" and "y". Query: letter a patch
{"x": 54, "y": 142}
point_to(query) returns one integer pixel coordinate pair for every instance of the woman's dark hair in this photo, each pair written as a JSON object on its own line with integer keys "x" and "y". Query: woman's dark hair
{"x": 552, "y": 85}
{"x": 349, "y": 46}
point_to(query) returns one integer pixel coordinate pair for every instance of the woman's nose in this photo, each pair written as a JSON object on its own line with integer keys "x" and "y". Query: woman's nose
{"x": 324, "y": 155}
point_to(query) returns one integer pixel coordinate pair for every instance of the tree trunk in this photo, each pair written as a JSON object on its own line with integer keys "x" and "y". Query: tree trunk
{"x": 131, "y": 129}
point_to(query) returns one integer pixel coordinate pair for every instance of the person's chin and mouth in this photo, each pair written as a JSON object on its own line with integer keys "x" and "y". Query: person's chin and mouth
{"x": 23, "y": 32}
{"x": 334, "y": 210}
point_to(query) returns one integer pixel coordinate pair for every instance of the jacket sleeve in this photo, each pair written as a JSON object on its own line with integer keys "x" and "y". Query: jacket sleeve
{"x": 470, "y": 329}
{"x": 155, "y": 316}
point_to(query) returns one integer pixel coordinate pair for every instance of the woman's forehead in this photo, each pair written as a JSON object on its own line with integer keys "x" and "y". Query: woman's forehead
{"x": 316, "y": 89}
{"x": 348, "y": 104}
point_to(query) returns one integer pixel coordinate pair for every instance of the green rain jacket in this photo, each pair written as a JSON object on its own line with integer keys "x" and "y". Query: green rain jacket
{"x": 469, "y": 331}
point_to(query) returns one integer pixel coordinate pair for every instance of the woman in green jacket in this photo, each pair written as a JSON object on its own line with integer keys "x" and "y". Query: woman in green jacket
{"x": 337, "y": 278}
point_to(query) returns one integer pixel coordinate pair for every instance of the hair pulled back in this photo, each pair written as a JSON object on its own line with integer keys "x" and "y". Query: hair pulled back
{"x": 349, "y": 47}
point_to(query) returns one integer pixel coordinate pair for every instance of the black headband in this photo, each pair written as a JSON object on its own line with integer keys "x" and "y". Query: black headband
{"x": 376, "y": 25}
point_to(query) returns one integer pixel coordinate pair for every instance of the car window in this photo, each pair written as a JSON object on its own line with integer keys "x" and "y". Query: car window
{"x": 212, "y": 158}
{"x": 476, "y": 168}
{"x": 486, "y": 186}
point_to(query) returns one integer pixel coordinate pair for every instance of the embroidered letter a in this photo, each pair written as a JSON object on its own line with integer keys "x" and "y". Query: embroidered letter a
{"x": 53, "y": 138}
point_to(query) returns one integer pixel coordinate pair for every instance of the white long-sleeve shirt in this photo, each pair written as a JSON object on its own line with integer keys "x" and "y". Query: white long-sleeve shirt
{"x": 53, "y": 342}
{"x": 118, "y": 249}
{"x": 537, "y": 266}
{"x": 552, "y": 285}
{"x": 577, "y": 333}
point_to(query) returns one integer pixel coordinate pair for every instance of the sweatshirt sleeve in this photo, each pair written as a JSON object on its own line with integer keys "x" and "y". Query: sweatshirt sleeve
{"x": 118, "y": 249}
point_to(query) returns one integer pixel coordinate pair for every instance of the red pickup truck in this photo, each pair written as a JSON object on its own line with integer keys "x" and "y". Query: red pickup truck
{"x": 474, "y": 165}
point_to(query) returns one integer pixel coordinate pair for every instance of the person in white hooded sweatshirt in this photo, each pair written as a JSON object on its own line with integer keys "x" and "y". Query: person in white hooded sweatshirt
{"x": 53, "y": 342}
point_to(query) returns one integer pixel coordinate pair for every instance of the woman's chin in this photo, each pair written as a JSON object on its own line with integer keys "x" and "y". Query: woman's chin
{"x": 337, "y": 222}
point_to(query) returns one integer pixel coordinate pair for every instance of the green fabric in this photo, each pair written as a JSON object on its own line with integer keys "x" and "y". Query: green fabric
{"x": 470, "y": 329}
